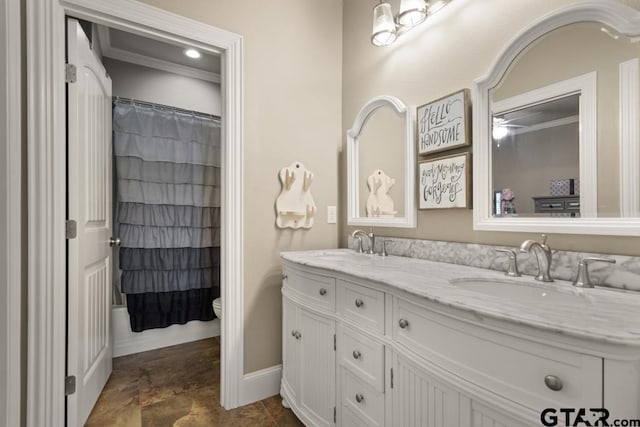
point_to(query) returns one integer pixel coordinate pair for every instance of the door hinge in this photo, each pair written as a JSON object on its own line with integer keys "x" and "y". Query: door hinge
{"x": 71, "y": 229}
{"x": 334, "y": 415}
{"x": 334, "y": 342}
{"x": 70, "y": 73}
{"x": 69, "y": 385}
{"x": 391, "y": 377}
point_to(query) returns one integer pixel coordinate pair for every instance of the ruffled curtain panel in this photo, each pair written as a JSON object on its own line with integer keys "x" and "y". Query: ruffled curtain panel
{"x": 167, "y": 214}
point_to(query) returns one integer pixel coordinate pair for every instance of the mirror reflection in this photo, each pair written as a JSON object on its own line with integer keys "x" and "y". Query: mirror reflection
{"x": 540, "y": 160}
{"x": 542, "y": 140}
{"x": 381, "y": 165}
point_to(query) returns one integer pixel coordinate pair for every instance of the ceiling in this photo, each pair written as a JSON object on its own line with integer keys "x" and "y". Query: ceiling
{"x": 128, "y": 47}
{"x": 565, "y": 108}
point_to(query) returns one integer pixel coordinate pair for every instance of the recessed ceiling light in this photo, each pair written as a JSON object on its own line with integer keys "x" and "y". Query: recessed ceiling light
{"x": 192, "y": 53}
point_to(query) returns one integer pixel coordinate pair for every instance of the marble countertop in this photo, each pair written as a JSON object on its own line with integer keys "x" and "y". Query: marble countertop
{"x": 600, "y": 314}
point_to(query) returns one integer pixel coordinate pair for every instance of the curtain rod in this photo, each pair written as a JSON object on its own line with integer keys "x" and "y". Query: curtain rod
{"x": 163, "y": 107}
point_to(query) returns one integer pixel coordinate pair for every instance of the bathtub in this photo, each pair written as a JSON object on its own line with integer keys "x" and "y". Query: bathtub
{"x": 125, "y": 341}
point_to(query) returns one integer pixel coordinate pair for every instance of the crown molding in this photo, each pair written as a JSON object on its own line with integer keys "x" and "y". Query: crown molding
{"x": 108, "y": 51}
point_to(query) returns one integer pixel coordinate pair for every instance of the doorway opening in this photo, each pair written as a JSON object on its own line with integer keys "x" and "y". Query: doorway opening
{"x": 47, "y": 186}
{"x": 144, "y": 174}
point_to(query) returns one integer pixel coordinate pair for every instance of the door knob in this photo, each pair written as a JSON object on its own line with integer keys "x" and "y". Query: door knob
{"x": 403, "y": 323}
{"x": 359, "y": 397}
{"x": 359, "y": 303}
{"x": 356, "y": 354}
{"x": 114, "y": 241}
{"x": 322, "y": 291}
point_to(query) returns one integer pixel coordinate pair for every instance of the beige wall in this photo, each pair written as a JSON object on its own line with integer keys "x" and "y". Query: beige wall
{"x": 161, "y": 87}
{"x": 292, "y": 111}
{"x": 445, "y": 54}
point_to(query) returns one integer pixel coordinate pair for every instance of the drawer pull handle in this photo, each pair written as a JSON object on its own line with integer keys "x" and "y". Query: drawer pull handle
{"x": 323, "y": 291}
{"x": 403, "y": 323}
{"x": 359, "y": 303}
{"x": 553, "y": 382}
{"x": 356, "y": 354}
{"x": 359, "y": 397}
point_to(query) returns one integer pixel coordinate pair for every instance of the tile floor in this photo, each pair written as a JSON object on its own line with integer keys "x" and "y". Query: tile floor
{"x": 178, "y": 386}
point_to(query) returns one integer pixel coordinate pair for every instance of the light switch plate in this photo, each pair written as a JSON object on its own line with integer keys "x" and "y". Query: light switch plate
{"x": 331, "y": 214}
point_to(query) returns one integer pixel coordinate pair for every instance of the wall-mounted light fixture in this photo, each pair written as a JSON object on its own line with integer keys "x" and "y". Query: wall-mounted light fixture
{"x": 412, "y": 12}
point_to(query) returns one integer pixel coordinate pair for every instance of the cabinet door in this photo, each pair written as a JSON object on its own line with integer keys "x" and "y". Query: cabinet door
{"x": 290, "y": 348}
{"x": 485, "y": 416}
{"x": 317, "y": 367}
{"x": 419, "y": 400}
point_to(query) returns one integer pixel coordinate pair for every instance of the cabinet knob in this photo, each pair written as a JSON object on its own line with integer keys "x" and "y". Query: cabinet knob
{"x": 293, "y": 333}
{"x": 553, "y": 382}
{"x": 322, "y": 291}
{"x": 403, "y": 323}
{"x": 359, "y": 303}
{"x": 356, "y": 354}
{"x": 284, "y": 277}
{"x": 359, "y": 397}
{"x": 298, "y": 335}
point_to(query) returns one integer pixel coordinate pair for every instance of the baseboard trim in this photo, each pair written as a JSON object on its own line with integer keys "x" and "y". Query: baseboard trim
{"x": 260, "y": 384}
{"x": 127, "y": 342}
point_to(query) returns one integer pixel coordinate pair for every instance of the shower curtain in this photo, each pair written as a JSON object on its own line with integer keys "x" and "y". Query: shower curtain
{"x": 167, "y": 213}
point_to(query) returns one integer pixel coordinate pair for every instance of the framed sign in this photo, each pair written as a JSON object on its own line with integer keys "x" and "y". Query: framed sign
{"x": 444, "y": 123}
{"x": 445, "y": 182}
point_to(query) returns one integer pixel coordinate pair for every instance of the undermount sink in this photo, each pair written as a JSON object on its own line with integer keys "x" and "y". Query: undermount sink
{"x": 520, "y": 291}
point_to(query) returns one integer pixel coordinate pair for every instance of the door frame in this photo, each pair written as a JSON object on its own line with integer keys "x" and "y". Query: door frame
{"x": 11, "y": 153}
{"x": 46, "y": 152}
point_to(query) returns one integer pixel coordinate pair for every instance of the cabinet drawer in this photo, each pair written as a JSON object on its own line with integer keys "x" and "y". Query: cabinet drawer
{"x": 507, "y": 365}
{"x": 362, "y": 399}
{"x": 364, "y": 306}
{"x": 317, "y": 290}
{"x": 362, "y": 356}
{"x": 351, "y": 419}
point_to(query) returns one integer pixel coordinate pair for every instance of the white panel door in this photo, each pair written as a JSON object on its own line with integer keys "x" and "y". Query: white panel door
{"x": 89, "y": 204}
{"x": 421, "y": 401}
{"x": 317, "y": 375}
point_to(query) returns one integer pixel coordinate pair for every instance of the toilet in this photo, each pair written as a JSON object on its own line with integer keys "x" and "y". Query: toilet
{"x": 217, "y": 307}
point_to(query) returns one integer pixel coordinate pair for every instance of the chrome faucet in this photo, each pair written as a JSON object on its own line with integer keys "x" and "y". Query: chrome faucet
{"x": 543, "y": 256}
{"x": 370, "y": 236}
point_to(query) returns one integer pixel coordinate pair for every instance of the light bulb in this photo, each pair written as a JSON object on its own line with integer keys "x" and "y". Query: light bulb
{"x": 500, "y": 132}
{"x": 192, "y": 53}
{"x": 412, "y": 12}
{"x": 384, "y": 29}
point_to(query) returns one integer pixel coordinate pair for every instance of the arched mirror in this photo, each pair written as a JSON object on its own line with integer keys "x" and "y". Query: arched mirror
{"x": 556, "y": 126}
{"x": 381, "y": 165}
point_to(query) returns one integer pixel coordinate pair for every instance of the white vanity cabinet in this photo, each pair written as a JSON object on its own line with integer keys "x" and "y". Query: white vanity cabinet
{"x": 308, "y": 337}
{"x": 404, "y": 360}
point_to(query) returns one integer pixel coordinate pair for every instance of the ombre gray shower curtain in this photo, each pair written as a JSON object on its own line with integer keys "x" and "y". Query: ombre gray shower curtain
{"x": 167, "y": 213}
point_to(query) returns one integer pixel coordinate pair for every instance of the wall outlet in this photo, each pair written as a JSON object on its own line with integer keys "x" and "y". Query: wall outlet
{"x": 332, "y": 214}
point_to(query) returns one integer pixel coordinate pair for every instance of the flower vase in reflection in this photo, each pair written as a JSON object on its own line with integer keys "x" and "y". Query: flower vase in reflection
{"x": 508, "y": 205}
